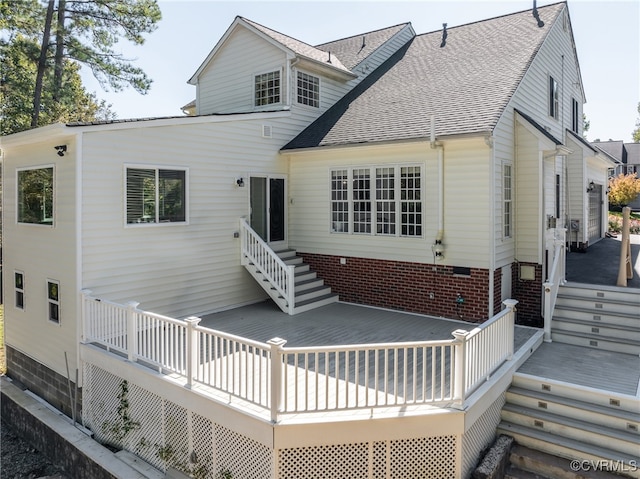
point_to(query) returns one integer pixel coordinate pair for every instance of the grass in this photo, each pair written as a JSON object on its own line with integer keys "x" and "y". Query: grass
{"x": 3, "y": 361}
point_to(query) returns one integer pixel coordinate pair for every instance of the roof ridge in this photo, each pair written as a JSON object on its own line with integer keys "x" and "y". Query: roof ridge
{"x": 491, "y": 18}
{"x": 276, "y": 31}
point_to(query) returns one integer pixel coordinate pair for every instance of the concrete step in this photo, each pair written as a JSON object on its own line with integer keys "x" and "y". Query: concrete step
{"x": 527, "y": 463}
{"x": 587, "y": 454}
{"x": 576, "y": 409}
{"x": 577, "y": 429}
{"x": 591, "y": 340}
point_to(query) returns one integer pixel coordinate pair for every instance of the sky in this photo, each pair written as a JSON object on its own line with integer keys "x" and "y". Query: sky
{"x": 606, "y": 32}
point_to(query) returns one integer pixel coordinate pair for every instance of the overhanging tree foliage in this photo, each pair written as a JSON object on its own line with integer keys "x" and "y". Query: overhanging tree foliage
{"x": 74, "y": 103}
{"x": 623, "y": 189}
{"x": 84, "y": 32}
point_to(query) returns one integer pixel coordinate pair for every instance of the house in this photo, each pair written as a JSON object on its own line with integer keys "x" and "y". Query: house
{"x": 433, "y": 173}
{"x": 626, "y": 157}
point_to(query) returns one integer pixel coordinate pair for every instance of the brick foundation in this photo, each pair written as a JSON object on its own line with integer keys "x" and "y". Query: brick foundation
{"x": 529, "y": 296}
{"x": 404, "y": 286}
{"x": 42, "y": 381}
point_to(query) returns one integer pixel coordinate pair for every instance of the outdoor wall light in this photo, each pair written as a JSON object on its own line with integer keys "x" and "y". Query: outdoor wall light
{"x": 438, "y": 249}
{"x": 61, "y": 149}
{"x": 591, "y": 186}
{"x": 240, "y": 182}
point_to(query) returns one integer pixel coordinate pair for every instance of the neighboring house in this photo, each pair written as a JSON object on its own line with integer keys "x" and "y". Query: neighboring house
{"x": 626, "y": 157}
{"x": 431, "y": 173}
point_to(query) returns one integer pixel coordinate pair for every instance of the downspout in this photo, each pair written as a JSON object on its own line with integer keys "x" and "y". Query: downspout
{"x": 78, "y": 248}
{"x": 492, "y": 255}
{"x": 437, "y": 247}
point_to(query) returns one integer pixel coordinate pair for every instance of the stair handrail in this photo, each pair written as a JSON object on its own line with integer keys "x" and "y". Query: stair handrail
{"x": 554, "y": 280}
{"x": 279, "y": 274}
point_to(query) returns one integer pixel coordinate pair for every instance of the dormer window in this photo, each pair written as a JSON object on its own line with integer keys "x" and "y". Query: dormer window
{"x": 267, "y": 88}
{"x": 308, "y": 90}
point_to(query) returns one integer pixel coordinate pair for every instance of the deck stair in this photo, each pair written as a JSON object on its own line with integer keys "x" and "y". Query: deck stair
{"x": 310, "y": 291}
{"x": 566, "y": 421}
{"x": 600, "y": 317}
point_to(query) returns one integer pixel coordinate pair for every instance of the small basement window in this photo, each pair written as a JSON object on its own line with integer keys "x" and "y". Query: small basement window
{"x": 461, "y": 271}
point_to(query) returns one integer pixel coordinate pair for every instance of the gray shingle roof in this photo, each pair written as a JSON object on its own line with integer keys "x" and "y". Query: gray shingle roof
{"x": 633, "y": 153}
{"x": 466, "y": 84}
{"x": 352, "y": 50}
{"x": 298, "y": 47}
{"x": 614, "y": 148}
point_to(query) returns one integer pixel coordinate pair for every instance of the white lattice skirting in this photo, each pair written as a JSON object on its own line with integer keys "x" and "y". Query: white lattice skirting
{"x": 165, "y": 434}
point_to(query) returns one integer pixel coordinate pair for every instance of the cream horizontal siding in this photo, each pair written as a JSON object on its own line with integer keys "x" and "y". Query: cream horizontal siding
{"x": 578, "y": 208}
{"x": 227, "y": 84}
{"x": 528, "y": 212}
{"x": 466, "y": 200}
{"x": 175, "y": 269}
{"x": 555, "y": 58}
{"x": 41, "y": 253}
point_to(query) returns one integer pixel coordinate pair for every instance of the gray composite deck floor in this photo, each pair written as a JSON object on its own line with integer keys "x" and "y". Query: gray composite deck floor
{"x": 339, "y": 324}
{"x": 606, "y": 370}
{"x": 346, "y": 324}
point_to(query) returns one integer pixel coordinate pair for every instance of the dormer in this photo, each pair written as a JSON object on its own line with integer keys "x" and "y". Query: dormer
{"x": 253, "y": 68}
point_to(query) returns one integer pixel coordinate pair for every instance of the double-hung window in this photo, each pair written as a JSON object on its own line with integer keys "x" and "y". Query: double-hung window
{"x": 35, "y": 196}
{"x": 18, "y": 277}
{"x": 308, "y": 90}
{"x": 156, "y": 195}
{"x": 385, "y": 200}
{"x": 507, "y": 200}
{"x": 554, "y": 98}
{"x": 267, "y": 88}
{"x": 53, "y": 298}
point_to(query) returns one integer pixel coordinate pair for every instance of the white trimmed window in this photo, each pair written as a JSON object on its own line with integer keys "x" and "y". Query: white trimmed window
{"x": 156, "y": 195}
{"x": 19, "y": 288}
{"x": 53, "y": 298}
{"x": 554, "y": 98}
{"x": 507, "y": 200}
{"x": 35, "y": 196}
{"x": 385, "y": 201}
{"x": 308, "y": 90}
{"x": 340, "y": 201}
{"x": 267, "y": 88}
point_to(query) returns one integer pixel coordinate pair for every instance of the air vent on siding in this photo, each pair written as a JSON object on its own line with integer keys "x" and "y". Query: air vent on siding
{"x": 267, "y": 131}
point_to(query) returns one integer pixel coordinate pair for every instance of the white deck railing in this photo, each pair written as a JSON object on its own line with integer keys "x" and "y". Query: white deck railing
{"x": 257, "y": 252}
{"x": 304, "y": 379}
{"x": 555, "y": 279}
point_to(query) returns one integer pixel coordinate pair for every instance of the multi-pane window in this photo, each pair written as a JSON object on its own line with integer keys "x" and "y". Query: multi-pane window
{"x": 378, "y": 200}
{"x": 554, "y": 98}
{"x": 267, "y": 88}
{"x": 308, "y": 90}
{"x": 361, "y": 193}
{"x": 575, "y": 115}
{"x": 507, "y": 200}
{"x": 35, "y": 196}
{"x": 385, "y": 201}
{"x": 156, "y": 195}
{"x": 53, "y": 298}
{"x": 19, "y": 288}
{"x": 411, "y": 201}
{"x": 339, "y": 201}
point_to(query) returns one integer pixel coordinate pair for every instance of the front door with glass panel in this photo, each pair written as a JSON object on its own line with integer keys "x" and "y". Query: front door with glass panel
{"x": 268, "y": 207}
